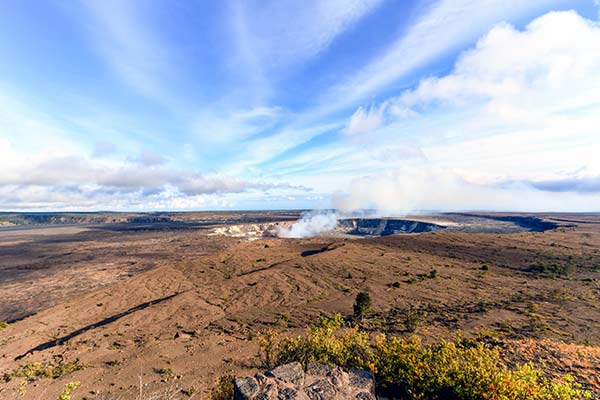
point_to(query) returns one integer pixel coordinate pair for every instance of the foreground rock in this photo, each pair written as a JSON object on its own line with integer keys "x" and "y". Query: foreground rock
{"x": 318, "y": 382}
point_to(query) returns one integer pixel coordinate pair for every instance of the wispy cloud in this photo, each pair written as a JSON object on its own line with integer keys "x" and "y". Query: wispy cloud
{"x": 44, "y": 165}
{"x": 516, "y": 111}
{"x": 278, "y": 35}
{"x": 132, "y": 50}
{"x": 434, "y": 189}
{"x": 198, "y": 104}
{"x": 215, "y": 129}
{"x": 576, "y": 184}
{"x": 437, "y": 31}
{"x": 523, "y": 78}
{"x": 365, "y": 120}
{"x": 67, "y": 175}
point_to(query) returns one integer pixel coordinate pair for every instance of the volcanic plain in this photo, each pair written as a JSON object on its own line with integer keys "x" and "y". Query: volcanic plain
{"x": 122, "y": 301}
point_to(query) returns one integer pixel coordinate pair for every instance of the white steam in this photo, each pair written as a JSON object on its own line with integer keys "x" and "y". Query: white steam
{"x": 414, "y": 191}
{"x": 311, "y": 224}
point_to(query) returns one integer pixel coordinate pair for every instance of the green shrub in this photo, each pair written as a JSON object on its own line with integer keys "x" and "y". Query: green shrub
{"x": 329, "y": 342}
{"x": 268, "y": 349}
{"x": 66, "y": 393}
{"x": 37, "y": 370}
{"x": 223, "y": 390}
{"x": 413, "y": 318}
{"x": 408, "y": 369}
{"x": 164, "y": 371}
{"x": 362, "y": 305}
{"x": 551, "y": 270}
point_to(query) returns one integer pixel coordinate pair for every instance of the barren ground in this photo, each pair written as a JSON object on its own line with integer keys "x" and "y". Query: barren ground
{"x": 175, "y": 304}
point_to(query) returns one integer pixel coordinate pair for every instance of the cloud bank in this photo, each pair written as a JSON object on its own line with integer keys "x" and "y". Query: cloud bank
{"x": 72, "y": 180}
{"x": 421, "y": 191}
{"x": 528, "y": 97}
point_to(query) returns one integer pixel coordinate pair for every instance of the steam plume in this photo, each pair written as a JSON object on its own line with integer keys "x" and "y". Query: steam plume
{"x": 311, "y": 224}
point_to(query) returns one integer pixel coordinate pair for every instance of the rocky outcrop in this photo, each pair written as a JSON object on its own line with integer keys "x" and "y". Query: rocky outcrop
{"x": 250, "y": 231}
{"x": 318, "y": 382}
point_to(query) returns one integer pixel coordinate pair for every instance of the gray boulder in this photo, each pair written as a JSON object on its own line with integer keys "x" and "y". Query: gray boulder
{"x": 318, "y": 382}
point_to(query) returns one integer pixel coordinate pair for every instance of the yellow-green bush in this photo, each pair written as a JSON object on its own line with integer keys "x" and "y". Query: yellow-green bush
{"x": 37, "y": 370}
{"x": 223, "y": 390}
{"x": 458, "y": 369}
{"x": 66, "y": 393}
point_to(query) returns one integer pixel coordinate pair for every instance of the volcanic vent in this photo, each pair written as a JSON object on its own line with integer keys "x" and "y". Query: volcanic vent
{"x": 384, "y": 226}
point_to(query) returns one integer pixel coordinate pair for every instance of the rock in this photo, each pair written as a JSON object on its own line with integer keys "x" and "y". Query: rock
{"x": 268, "y": 392}
{"x": 287, "y": 393}
{"x": 319, "y": 382}
{"x": 245, "y": 388}
{"x": 322, "y": 389}
{"x": 362, "y": 380}
{"x": 261, "y": 378}
{"x": 319, "y": 369}
{"x": 289, "y": 373}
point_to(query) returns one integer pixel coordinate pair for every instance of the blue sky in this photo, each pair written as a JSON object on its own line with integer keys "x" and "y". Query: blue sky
{"x": 388, "y": 104}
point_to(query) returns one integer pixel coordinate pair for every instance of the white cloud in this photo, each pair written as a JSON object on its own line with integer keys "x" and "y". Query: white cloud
{"x": 71, "y": 180}
{"x": 540, "y": 78}
{"x": 433, "y": 189}
{"x": 365, "y": 120}
{"x": 436, "y": 32}
{"x": 276, "y": 35}
{"x": 78, "y": 171}
{"x": 513, "y": 126}
{"x": 215, "y": 129}
{"x": 29, "y": 129}
{"x": 521, "y": 106}
{"x": 44, "y": 164}
{"x": 520, "y": 72}
{"x": 521, "y": 86}
{"x": 253, "y": 152}
{"x": 138, "y": 56}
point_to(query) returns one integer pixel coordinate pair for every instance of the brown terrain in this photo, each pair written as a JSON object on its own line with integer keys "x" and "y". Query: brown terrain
{"x": 178, "y": 300}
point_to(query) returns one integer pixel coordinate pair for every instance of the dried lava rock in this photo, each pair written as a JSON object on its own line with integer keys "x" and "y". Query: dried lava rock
{"x": 318, "y": 382}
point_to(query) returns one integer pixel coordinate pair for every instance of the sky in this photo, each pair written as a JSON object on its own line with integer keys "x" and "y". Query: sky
{"x": 396, "y": 105}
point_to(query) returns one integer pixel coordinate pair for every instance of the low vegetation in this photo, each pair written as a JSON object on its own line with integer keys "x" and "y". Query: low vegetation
{"x": 171, "y": 392}
{"x": 551, "y": 269}
{"x": 408, "y": 369}
{"x": 66, "y": 393}
{"x": 362, "y": 306}
{"x": 37, "y": 370}
{"x": 223, "y": 390}
{"x": 413, "y": 318}
{"x": 433, "y": 274}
